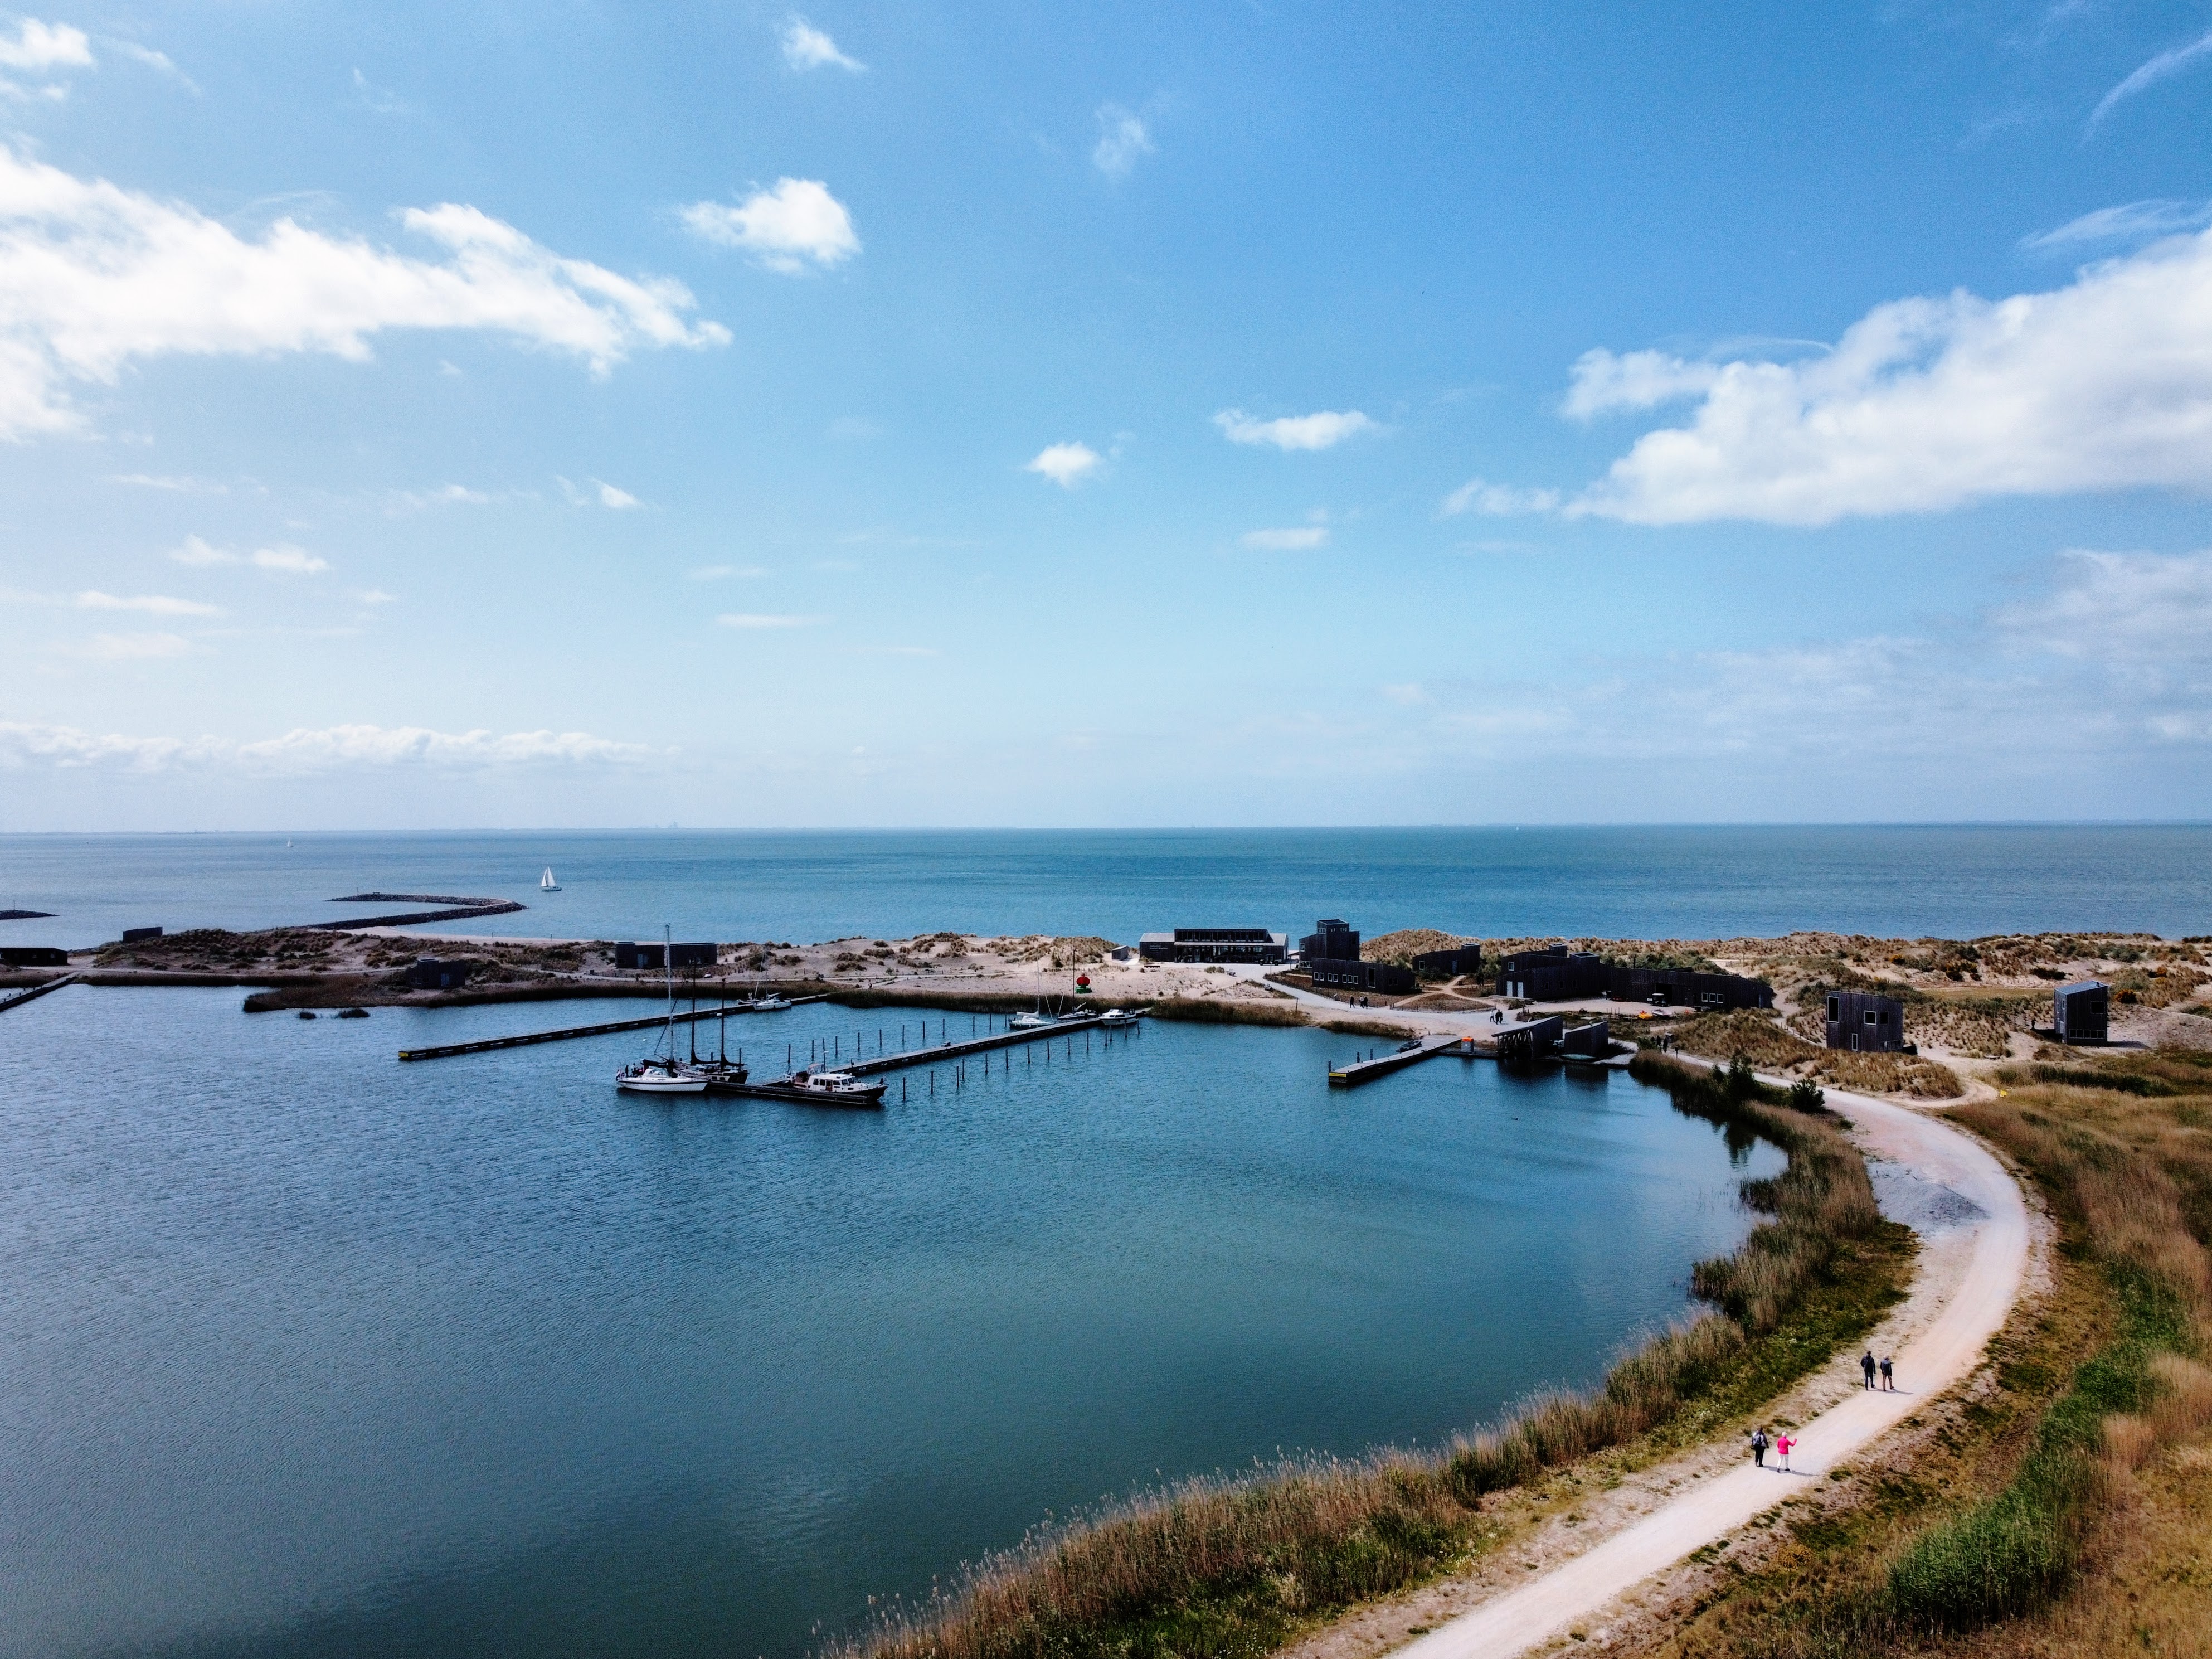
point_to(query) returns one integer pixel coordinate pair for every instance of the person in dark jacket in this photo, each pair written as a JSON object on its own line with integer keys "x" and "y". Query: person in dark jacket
{"x": 1866, "y": 1366}
{"x": 1888, "y": 1379}
{"x": 1758, "y": 1444}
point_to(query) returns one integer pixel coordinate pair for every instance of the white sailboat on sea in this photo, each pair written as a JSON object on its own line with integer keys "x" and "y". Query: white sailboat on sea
{"x": 661, "y": 1074}
{"x": 546, "y": 883}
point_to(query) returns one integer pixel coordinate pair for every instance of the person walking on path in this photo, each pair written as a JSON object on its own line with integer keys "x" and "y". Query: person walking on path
{"x": 1783, "y": 1443}
{"x": 1887, "y": 1381}
{"x": 1759, "y": 1443}
{"x": 1866, "y": 1366}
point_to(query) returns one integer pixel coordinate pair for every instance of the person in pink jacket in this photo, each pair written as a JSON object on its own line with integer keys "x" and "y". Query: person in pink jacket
{"x": 1783, "y": 1443}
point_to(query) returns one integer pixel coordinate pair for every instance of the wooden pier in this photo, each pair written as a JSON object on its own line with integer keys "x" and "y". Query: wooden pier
{"x": 961, "y": 1048}
{"x": 485, "y": 1045}
{"x": 37, "y": 991}
{"x": 1428, "y": 1047}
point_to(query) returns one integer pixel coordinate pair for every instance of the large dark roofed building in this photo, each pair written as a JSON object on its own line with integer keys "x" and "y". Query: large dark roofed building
{"x": 1215, "y": 944}
{"x": 1332, "y": 958}
{"x": 1556, "y": 973}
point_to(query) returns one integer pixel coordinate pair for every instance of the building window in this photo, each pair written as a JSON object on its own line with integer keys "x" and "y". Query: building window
{"x": 1870, "y": 1017}
{"x": 1835, "y": 1007}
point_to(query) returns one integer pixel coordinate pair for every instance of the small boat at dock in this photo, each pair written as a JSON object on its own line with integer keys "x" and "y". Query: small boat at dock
{"x": 1031, "y": 1022}
{"x": 838, "y": 1088}
{"x": 662, "y": 1073}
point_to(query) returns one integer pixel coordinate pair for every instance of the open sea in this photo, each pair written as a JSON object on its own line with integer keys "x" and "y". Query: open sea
{"x": 1954, "y": 881}
{"x": 304, "y": 1352}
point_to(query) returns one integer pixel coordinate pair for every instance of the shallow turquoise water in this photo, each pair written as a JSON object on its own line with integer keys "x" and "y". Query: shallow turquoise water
{"x": 305, "y": 1352}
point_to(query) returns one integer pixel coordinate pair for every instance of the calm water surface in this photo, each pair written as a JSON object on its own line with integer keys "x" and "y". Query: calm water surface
{"x": 303, "y": 1351}
{"x": 1697, "y": 883}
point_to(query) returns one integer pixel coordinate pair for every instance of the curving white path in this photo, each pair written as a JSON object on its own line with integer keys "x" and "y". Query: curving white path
{"x": 1944, "y": 1352}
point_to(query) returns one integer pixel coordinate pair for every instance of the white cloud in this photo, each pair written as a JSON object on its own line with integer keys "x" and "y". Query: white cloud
{"x": 2131, "y": 221}
{"x": 1121, "y": 139}
{"x": 612, "y": 497}
{"x": 371, "y": 596}
{"x": 40, "y": 46}
{"x": 754, "y": 620}
{"x": 1496, "y": 500}
{"x": 157, "y": 605}
{"x": 376, "y": 99}
{"x": 1320, "y": 430}
{"x": 782, "y": 229}
{"x": 1600, "y": 381}
{"x": 2166, "y": 64}
{"x": 1065, "y": 464}
{"x": 288, "y": 560}
{"x": 197, "y": 552}
{"x": 2136, "y": 611}
{"x": 1927, "y": 403}
{"x": 335, "y": 748}
{"x": 806, "y": 47}
{"x": 131, "y": 647}
{"x": 1285, "y": 541}
{"x": 182, "y": 486}
{"x": 93, "y": 276}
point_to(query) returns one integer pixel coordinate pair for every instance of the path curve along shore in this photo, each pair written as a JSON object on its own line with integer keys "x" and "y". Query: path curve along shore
{"x": 1941, "y": 1354}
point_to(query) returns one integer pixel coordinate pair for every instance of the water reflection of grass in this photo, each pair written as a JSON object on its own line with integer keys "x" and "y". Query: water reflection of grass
{"x": 1235, "y": 1566}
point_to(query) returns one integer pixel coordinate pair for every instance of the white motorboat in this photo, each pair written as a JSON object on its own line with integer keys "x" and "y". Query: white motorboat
{"x": 842, "y": 1087}
{"x": 1119, "y": 1017}
{"x": 770, "y": 1004}
{"x": 1031, "y": 1022}
{"x": 546, "y": 883}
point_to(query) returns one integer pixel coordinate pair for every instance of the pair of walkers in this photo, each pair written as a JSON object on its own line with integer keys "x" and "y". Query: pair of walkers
{"x": 1867, "y": 1368}
{"x": 1779, "y": 1445}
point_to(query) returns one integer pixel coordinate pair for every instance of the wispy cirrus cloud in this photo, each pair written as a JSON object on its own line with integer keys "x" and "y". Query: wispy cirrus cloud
{"x": 153, "y": 604}
{"x": 93, "y": 276}
{"x": 806, "y": 47}
{"x": 2164, "y": 67}
{"x": 1322, "y": 429}
{"x": 1123, "y": 140}
{"x": 795, "y": 223}
{"x": 310, "y": 750}
{"x": 283, "y": 558}
{"x": 756, "y": 620}
{"x": 1496, "y": 500}
{"x": 2130, "y": 221}
{"x": 1301, "y": 538}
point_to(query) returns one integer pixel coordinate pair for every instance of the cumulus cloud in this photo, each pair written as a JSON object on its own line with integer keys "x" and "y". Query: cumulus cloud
{"x": 40, "y": 46}
{"x": 2136, "y": 611}
{"x": 1600, "y": 382}
{"x": 327, "y": 749}
{"x": 1285, "y": 541}
{"x": 784, "y": 229}
{"x": 1928, "y": 403}
{"x": 93, "y": 276}
{"x": 749, "y": 619}
{"x": 1121, "y": 139}
{"x": 1065, "y": 464}
{"x": 2130, "y": 221}
{"x": 806, "y": 47}
{"x": 1319, "y": 430}
{"x": 2162, "y": 67}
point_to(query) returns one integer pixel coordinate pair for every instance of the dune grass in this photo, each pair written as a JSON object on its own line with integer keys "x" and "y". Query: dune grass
{"x": 1235, "y": 1566}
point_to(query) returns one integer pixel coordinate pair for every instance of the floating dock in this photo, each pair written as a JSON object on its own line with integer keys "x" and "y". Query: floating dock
{"x": 1428, "y": 1047}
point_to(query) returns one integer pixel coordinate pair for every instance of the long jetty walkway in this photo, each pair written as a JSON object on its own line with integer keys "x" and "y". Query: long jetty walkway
{"x": 523, "y": 1040}
{"x": 37, "y": 991}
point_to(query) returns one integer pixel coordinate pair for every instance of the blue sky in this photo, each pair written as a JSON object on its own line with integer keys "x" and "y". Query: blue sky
{"x": 1214, "y": 414}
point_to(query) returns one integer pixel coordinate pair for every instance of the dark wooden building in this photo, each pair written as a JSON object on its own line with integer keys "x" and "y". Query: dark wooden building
{"x": 1253, "y": 945}
{"x": 432, "y": 974}
{"x": 1448, "y": 965}
{"x": 634, "y": 956}
{"x": 1533, "y": 1041}
{"x": 1866, "y": 1022}
{"x": 33, "y": 956}
{"x": 132, "y": 935}
{"x": 1386, "y": 978}
{"x": 2081, "y": 1011}
{"x": 1557, "y": 975}
{"x": 1554, "y": 973}
{"x": 1333, "y": 941}
{"x": 1590, "y": 1042}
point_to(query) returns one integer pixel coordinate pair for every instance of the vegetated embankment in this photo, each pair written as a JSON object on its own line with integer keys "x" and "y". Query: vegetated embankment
{"x": 1222, "y": 1566}
{"x": 2063, "y": 1507}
